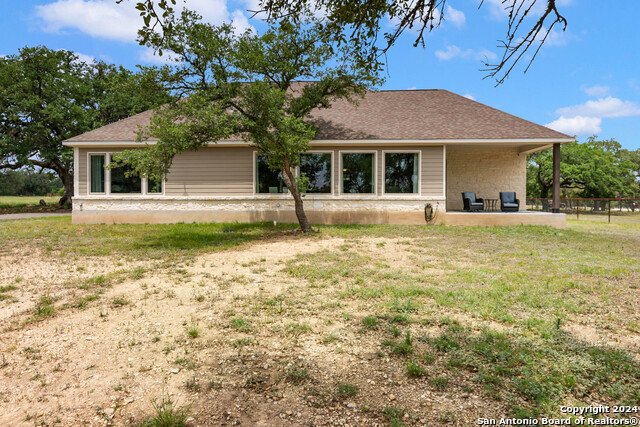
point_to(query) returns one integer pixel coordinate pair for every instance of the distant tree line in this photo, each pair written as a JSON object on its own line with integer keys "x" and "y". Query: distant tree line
{"x": 29, "y": 183}
{"x": 593, "y": 169}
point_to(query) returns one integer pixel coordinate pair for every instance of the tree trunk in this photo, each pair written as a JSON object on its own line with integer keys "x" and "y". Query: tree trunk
{"x": 290, "y": 181}
{"x": 64, "y": 172}
{"x": 544, "y": 195}
{"x": 67, "y": 181}
{"x": 544, "y": 190}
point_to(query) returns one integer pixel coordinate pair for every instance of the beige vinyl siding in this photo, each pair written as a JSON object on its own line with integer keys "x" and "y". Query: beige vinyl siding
{"x": 81, "y": 169}
{"x": 431, "y": 172}
{"x": 229, "y": 171}
{"x": 214, "y": 171}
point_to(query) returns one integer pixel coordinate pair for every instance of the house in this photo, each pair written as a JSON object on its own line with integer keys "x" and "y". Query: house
{"x": 381, "y": 161}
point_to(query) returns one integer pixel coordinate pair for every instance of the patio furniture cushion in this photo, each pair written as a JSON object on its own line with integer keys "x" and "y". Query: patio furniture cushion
{"x": 508, "y": 201}
{"x": 470, "y": 202}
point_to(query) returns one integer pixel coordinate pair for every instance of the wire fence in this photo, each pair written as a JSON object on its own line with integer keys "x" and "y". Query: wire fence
{"x": 600, "y": 208}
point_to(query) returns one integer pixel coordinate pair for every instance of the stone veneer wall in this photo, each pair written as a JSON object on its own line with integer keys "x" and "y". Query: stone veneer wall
{"x": 87, "y": 210}
{"x": 487, "y": 171}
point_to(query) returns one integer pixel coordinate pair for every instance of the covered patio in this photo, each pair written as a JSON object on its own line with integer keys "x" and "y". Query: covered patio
{"x": 489, "y": 168}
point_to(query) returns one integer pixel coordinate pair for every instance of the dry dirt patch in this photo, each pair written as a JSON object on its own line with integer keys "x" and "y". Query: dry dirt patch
{"x": 228, "y": 332}
{"x": 132, "y": 344}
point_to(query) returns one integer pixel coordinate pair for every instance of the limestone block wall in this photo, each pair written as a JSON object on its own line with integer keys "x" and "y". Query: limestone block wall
{"x": 149, "y": 210}
{"x": 487, "y": 171}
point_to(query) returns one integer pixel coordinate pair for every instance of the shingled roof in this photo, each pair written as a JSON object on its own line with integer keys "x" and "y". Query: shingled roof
{"x": 386, "y": 115}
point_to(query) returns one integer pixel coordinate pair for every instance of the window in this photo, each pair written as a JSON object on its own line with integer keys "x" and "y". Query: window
{"x": 97, "y": 173}
{"x": 153, "y": 186}
{"x": 268, "y": 180}
{"x": 358, "y": 172}
{"x": 401, "y": 173}
{"x": 317, "y": 167}
{"x": 123, "y": 184}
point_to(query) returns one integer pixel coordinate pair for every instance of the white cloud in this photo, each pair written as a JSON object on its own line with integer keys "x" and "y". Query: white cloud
{"x": 578, "y": 125}
{"x": 99, "y": 18}
{"x": 456, "y": 17}
{"x": 85, "y": 58}
{"x": 603, "y": 107}
{"x": 554, "y": 38}
{"x": 585, "y": 119}
{"x": 597, "y": 90}
{"x": 240, "y": 22}
{"x": 487, "y": 55}
{"x": 106, "y": 19}
{"x": 412, "y": 88}
{"x": 150, "y": 56}
{"x": 453, "y": 51}
{"x": 468, "y": 95}
{"x": 498, "y": 7}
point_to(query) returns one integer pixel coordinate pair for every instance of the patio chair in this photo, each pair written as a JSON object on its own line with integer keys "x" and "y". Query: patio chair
{"x": 508, "y": 202}
{"x": 471, "y": 203}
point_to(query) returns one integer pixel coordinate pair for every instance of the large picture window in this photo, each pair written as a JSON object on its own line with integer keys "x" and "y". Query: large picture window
{"x": 358, "y": 173}
{"x": 317, "y": 167}
{"x": 123, "y": 184}
{"x": 401, "y": 173}
{"x": 268, "y": 180}
{"x": 96, "y": 172}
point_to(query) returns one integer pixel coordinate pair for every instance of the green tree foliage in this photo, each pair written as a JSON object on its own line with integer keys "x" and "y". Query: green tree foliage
{"x": 594, "y": 169}
{"x": 364, "y": 28}
{"x": 28, "y": 183}
{"x": 48, "y": 96}
{"x": 245, "y": 87}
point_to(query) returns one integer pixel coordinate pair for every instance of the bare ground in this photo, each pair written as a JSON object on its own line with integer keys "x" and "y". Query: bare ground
{"x": 270, "y": 349}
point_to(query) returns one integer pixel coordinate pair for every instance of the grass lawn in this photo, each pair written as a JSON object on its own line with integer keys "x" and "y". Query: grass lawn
{"x": 22, "y": 201}
{"x": 357, "y": 325}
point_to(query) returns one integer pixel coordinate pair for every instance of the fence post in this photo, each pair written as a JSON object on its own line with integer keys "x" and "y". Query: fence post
{"x": 577, "y": 209}
{"x": 609, "y": 211}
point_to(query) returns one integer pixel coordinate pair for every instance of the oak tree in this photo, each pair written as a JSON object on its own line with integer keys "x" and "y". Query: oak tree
{"x": 259, "y": 88}
{"x": 48, "y": 96}
{"x": 362, "y": 26}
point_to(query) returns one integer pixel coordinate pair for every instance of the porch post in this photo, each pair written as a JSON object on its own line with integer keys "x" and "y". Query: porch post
{"x": 555, "y": 207}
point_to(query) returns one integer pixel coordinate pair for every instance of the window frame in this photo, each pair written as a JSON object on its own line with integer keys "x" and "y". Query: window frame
{"x": 255, "y": 182}
{"x": 332, "y": 177}
{"x": 107, "y": 173}
{"x": 384, "y": 173}
{"x": 374, "y": 193}
{"x": 144, "y": 190}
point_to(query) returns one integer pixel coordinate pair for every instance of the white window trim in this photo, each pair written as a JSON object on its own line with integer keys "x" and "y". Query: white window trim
{"x": 333, "y": 183}
{"x": 107, "y": 180}
{"x": 384, "y": 173}
{"x": 76, "y": 173}
{"x": 444, "y": 171}
{"x": 375, "y": 174}
{"x": 107, "y": 176}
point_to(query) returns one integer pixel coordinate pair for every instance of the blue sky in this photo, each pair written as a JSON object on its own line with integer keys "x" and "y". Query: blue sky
{"x": 584, "y": 81}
